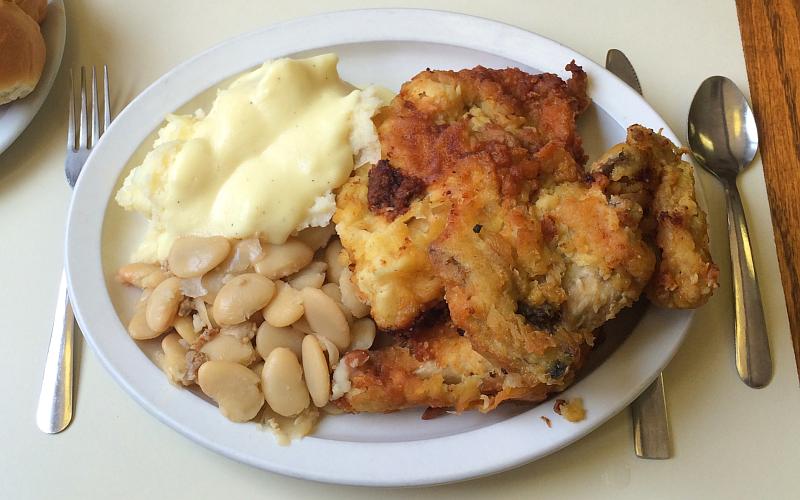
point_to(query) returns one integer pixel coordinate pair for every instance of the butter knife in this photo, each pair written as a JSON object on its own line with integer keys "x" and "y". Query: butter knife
{"x": 651, "y": 437}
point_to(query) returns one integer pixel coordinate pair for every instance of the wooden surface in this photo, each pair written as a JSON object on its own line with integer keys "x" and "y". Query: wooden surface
{"x": 771, "y": 39}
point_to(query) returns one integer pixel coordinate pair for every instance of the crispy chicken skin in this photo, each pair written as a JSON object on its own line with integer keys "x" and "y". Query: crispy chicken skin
{"x": 389, "y": 257}
{"x": 531, "y": 251}
{"x": 438, "y": 124}
{"x": 536, "y": 279}
{"x": 435, "y": 368}
{"x": 439, "y": 117}
{"x": 648, "y": 170}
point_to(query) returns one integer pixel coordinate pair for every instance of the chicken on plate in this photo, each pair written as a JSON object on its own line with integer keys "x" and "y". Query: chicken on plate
{"x": 489, "y": 250}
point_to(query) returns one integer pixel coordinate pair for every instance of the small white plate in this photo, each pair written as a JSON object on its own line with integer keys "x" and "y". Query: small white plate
{"x": 16, "y": 115}
{"x": 385, "y": 47}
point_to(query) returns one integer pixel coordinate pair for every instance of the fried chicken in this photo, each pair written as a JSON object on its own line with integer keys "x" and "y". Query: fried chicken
{"x": 434, "y": 128}
{"x": 647, "y": 169}
{"x": 437, "y": 368}
{"x": 482, "y": 200}
{"x": 532, "y": 284}
{"x": 389, "y": 256}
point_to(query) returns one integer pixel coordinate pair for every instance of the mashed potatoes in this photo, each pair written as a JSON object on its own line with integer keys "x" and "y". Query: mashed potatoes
{"x": 264, "y": 160}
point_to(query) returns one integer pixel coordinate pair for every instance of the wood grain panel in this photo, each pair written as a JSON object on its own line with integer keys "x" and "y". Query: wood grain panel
{"x": 771, "y": 39}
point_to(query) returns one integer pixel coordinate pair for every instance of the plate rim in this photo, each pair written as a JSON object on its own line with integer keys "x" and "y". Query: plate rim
{"x": 25, "y": 110}
{"x": 87, "y": 279}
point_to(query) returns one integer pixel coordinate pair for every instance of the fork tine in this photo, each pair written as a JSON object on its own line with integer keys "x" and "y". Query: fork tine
{"x": 71, "y": 123}
{"x": 95, "y": 112}
{"x": 83, "y": 126}
{"x": 107, "y": 100}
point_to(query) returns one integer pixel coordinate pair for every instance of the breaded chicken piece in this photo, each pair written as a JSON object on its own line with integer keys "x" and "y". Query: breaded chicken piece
{"x": 389, "y": 257}
{"x": 648, "y": 169}
{"x": 608, "y": 262}
{"x": 527, "y": 283}
{"x": 436, "y": 368}
{"x": 388, "y": 215}
{"x": 530, "y": 282}
{"x": 686, "y": 277}
{"x": 482, "y": 200}
{"x": 440, "y": 116}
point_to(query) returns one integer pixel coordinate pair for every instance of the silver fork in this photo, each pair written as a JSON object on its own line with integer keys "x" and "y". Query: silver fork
{"x": 54, "y": 411}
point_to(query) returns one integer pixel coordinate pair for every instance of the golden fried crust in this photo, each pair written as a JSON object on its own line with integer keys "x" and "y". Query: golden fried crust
{"x": 648, "y": 169}
{"x": 389, "y": 258}
{"x": 440, "y": 124}
{"x": 608, "y": 263}
{"x": 476, "y": 257}
{"x": 593, "y": 233}
{"x": 439, "y": 116}
{"x": 686, "y": 277}
{"x": 533, "y": 281}
{"x": 531, "y": 251}
{"x": 435, "y": 368}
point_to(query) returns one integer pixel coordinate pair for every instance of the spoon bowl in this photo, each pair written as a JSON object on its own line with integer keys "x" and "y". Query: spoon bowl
{"x": 722, "y": 130}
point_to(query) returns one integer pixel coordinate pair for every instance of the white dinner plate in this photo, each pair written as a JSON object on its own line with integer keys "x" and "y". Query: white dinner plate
{"x": 375, "y": 46}
{"x": 16, "y": 115}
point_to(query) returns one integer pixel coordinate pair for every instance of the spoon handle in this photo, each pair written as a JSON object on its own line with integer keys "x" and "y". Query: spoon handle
{"x": 753, "y": 361}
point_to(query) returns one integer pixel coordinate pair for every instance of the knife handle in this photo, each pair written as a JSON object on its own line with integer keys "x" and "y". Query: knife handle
{"x": 651, "y": 437}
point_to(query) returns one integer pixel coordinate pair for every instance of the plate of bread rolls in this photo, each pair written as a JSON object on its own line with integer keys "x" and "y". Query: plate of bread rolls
{"x": 32, "y": 35}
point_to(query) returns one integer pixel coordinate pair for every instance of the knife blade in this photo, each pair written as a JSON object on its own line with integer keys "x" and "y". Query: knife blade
{"x": 620, "y": 65}
{"x": 651, "y": 437}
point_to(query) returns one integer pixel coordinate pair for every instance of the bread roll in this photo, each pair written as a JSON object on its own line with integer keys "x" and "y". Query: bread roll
{"x": 37, "y": 9}
{"x": 22, "y": 53}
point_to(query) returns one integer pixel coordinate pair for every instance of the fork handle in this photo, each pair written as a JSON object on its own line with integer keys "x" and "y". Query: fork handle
{"x": 54, "y": 410}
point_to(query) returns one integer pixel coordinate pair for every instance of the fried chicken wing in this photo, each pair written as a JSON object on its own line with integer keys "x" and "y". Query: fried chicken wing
{"x": 648, "y": 169}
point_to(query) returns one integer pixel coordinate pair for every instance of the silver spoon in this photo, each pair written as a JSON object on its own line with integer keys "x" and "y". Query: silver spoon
{"x": 724, "y": 140}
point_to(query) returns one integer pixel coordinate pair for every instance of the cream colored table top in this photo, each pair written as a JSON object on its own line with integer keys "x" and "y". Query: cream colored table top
{"x": 730, "y": 441}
